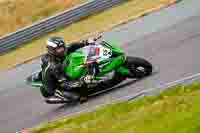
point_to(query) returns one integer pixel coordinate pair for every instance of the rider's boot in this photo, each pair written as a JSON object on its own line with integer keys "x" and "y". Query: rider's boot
{"x": 58, "y": 97}
{"x": 83, "y": 99}
{"x": 68, "y": 93}
{"x": 71, "y": 96}
{"x": 83, "y": 94}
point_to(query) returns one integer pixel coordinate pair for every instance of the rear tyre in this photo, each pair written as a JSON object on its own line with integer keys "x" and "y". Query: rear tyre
{"x": 138, "y": 67}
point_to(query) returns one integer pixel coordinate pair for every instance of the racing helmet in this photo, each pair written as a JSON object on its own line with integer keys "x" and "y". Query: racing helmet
{"x": 56, "y": 46}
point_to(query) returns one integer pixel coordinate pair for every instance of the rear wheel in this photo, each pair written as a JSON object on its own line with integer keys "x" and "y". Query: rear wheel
{"x": 138, "y": 67}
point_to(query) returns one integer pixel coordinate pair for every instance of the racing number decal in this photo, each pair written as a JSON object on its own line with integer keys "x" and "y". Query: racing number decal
{"x": 105, "y": 52}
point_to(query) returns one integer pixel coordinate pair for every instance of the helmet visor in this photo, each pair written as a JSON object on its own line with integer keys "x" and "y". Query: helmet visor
{"x": 60, "y": 51}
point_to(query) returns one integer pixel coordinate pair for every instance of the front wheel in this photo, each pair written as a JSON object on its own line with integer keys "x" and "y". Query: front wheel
{"x": 138, "y": 67}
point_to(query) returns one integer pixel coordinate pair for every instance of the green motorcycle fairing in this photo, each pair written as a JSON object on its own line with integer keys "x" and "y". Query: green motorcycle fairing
{"x": 75, "y": 67}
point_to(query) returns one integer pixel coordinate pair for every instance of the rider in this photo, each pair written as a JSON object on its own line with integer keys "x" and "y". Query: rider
{"x": 53, "y": 70}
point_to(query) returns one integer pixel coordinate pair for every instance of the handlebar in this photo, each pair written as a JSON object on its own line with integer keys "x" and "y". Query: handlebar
{"x": 98, "y": 37}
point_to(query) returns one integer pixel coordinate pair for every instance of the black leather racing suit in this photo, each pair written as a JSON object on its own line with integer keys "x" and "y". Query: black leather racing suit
{"x": 52, "y": 70}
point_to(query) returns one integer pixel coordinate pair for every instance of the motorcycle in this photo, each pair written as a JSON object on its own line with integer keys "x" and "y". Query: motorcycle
{"x": 110, "y": 72}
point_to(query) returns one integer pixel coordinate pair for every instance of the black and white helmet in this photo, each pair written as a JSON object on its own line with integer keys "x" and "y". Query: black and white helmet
{"x": 56, "y": 46}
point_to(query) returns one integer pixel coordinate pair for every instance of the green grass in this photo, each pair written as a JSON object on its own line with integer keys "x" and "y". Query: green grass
{"x": 175, "y": 110}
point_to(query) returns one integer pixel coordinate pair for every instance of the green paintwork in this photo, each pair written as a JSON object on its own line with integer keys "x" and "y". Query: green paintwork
{"x": 123, "y": 70}
{"x": 112, "y": 65}
{"x": 75, "y": 62}
{"x": 75, "y": 68}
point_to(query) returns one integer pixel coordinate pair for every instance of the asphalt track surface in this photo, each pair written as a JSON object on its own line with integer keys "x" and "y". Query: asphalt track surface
{"x": 169, "y": 39}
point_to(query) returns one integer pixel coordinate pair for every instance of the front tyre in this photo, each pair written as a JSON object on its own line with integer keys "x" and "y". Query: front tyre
{"x": 138, "y": 67}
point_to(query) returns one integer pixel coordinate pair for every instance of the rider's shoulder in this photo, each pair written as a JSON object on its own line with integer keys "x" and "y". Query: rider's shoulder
{"x": 45, "y": 58}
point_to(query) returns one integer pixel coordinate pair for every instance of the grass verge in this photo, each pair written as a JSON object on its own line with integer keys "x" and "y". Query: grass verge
{"x": 129, "y": 10}
{"x": 17, "y": 14}
{"x": 175, "y": 110}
